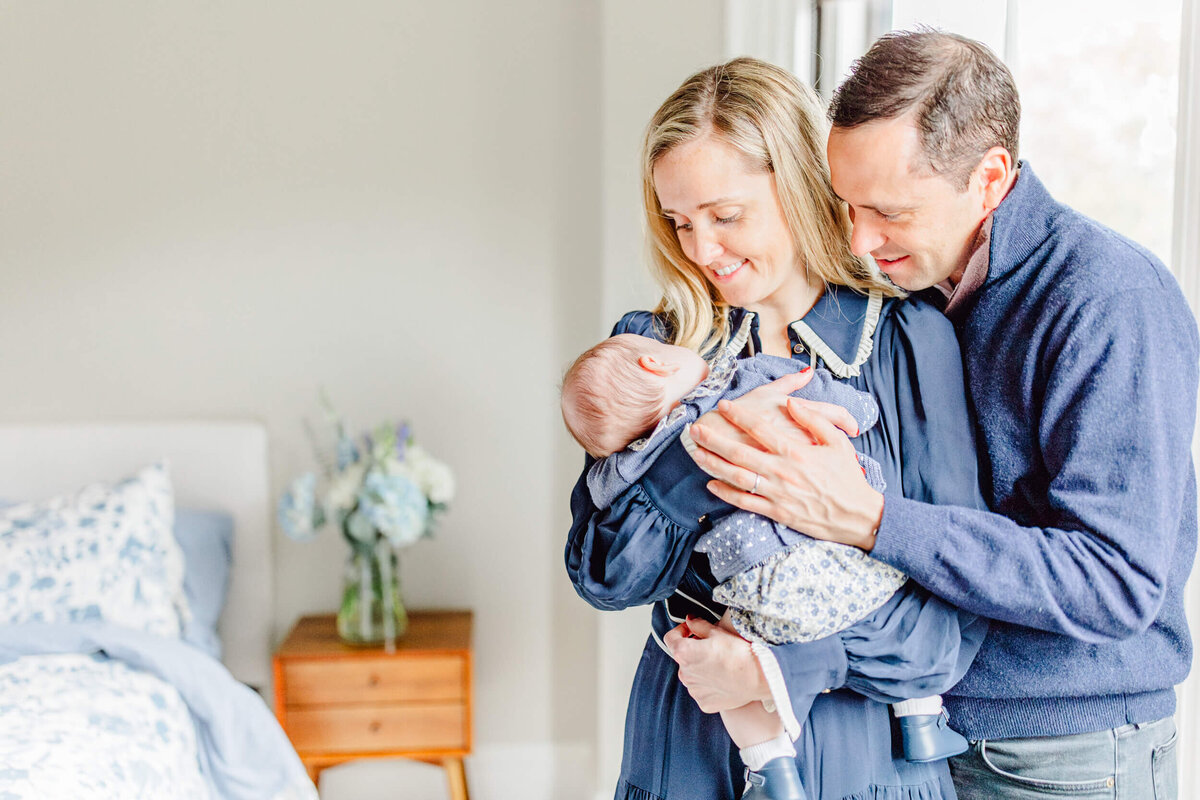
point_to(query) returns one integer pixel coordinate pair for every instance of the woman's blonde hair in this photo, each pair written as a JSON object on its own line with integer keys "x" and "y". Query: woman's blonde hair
{"x": 777, "y": 124}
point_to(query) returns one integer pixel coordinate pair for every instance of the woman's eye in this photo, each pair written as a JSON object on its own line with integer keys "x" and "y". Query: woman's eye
{"x": 727, "y": 220}
{"x": 682, "y": 226}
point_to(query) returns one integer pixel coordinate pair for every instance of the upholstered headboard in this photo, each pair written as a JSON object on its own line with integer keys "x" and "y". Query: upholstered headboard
{"x": 214, "y": 465}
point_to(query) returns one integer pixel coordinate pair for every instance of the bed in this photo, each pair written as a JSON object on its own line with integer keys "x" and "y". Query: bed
{"x": 136, "y": 614}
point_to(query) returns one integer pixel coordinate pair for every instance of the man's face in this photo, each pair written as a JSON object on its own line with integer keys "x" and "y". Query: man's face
{"x": 918, "y": 226}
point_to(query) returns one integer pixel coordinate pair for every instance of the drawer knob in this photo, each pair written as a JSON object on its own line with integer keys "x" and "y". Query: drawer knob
{"x": 375, "y": 726}
{"x": 372, "y": 680}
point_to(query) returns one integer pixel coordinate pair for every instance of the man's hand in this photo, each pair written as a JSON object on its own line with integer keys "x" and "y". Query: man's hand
{"x": 769, "y": 403}
{"x": 797, "y": 468}
{"x": 716, "y": 665}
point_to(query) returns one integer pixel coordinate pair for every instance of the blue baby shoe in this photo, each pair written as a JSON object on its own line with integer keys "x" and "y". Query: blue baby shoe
{"x": 927, "y": 737}
{"x": 777, "y": 780}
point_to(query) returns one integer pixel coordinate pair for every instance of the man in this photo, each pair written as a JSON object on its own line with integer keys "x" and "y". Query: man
{"x": 1080, "y": 357}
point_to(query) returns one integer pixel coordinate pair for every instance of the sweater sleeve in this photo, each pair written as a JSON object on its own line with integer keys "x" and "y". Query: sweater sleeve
{"x": 1114, "y": 431}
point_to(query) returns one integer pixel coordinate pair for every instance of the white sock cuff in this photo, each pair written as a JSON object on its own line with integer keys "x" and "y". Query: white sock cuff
{"x": 756, "y": 756}
{"x": 918, "y": 705}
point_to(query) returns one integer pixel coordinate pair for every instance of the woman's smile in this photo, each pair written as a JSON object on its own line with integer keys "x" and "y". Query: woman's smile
{"x": 727, "y": 272}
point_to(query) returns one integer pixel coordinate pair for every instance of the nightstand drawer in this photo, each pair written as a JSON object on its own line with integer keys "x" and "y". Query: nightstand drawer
{"x": 425, "y": 726}
{"x": 375, "y": 680}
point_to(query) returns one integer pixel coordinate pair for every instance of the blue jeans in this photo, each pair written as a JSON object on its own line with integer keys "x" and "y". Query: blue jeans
{"x": 1132, "y": 762}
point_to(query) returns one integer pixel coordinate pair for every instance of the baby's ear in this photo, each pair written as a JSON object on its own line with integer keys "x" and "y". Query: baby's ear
{"x": 660, "y": 368}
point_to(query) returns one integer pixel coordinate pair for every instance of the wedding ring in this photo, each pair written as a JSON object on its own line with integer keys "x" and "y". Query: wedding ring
{"x": 754, "y": 488}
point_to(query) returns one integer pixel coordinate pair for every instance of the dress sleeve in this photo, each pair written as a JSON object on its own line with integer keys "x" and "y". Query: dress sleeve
{"x": 636, "y": 550}
{"x": 1115, "y": 445}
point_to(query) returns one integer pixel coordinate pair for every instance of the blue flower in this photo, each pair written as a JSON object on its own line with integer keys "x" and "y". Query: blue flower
{"x": 402, "y": 436}
{"x": 395, "y": 506}
{"x": 299, "y": 515}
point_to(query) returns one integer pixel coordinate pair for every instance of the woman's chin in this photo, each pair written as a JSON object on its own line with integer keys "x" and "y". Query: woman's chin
{"x": 738, "y": 295}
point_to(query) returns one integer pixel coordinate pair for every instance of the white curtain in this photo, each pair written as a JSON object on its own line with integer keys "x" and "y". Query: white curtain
{"x": 779, "y": 31}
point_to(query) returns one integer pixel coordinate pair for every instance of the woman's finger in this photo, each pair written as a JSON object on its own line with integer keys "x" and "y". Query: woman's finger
{"x": 674, "y": 636}
{"x": 792, "y": 382}
{"x": 727, "y": 459}
{"x": 755, "y": 503}
{"x": 699, "y": 628}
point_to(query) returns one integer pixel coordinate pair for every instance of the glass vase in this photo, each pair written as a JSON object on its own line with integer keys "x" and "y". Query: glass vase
{"x": 372, "y": 610}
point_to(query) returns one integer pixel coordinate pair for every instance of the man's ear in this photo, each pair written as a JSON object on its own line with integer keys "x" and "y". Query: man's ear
{"x": 659, "y": 368}
{"x": 996, "y": 172}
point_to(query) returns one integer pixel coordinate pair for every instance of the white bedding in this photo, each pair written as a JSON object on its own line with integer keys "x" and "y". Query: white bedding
{"x": 76, "y": 726}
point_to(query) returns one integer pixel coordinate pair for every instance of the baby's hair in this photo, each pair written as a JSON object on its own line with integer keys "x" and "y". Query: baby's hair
{"x": 607, "y": 400}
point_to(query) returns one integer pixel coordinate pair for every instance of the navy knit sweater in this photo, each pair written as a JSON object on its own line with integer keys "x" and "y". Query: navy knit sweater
{"x": 1080, "y": 358}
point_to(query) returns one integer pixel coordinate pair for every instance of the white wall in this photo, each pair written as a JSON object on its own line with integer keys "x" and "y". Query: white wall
{"x": 648, "y": 50}
{"x": 208, "y": 209}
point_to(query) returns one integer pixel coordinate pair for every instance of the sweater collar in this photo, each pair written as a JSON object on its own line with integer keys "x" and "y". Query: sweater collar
{"x": 1023, "y": 220}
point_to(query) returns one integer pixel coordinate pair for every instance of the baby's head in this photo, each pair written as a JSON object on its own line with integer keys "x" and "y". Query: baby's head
{"x": 622, "y": 387}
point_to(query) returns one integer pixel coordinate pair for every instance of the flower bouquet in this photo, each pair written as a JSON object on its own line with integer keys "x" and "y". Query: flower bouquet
{"x": 383, "y": 492}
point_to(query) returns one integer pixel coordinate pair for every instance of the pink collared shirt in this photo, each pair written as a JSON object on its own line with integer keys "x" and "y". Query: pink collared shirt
{"x": 974, "y": 275}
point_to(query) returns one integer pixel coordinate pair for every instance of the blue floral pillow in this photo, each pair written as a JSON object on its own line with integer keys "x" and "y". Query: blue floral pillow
{"x": 106, "y": 553}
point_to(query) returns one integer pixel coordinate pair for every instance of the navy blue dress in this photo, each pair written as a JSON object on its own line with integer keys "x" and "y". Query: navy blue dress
{"x": 640, "y": 551}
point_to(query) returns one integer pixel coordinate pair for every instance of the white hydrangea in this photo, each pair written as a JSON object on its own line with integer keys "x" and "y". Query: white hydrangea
{"x": 434, "y": 478}
{"x": 343, "y": 488}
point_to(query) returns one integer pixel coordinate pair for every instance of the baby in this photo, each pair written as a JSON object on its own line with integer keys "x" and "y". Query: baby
{"x": 626, "y": 399}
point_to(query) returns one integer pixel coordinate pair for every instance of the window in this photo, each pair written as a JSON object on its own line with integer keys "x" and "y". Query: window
{"x": 1099, "y": 84}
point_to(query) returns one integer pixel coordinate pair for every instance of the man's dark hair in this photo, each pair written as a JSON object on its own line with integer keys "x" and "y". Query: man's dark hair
{"x": 963, "y": 97}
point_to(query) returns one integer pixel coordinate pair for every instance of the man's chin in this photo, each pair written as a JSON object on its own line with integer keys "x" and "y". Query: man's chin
{"x": 903, "y": 273}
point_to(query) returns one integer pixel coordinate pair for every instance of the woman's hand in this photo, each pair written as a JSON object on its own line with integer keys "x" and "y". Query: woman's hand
{"x": 797, "y": 468}
{"x": 716, "y": 665}
{"x": 767, "y": 402}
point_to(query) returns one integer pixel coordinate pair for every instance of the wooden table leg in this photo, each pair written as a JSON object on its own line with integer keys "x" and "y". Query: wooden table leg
{"x": 457, "y": 778}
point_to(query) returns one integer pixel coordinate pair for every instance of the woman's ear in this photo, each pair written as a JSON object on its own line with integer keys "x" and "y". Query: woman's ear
{"x": 660, "y": 368}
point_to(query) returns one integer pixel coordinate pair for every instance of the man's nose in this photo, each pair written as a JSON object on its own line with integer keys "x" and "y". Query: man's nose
{"x": 865, "y": 237}
{"x": 705, "y": 246}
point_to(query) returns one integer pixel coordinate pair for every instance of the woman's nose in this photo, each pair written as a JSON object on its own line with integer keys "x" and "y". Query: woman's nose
{"x": 705, "y": 247}
{"x": 865, "y": 237}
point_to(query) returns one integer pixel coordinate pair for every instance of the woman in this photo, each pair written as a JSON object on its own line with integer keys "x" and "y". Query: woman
{"x": 746, "y": 231}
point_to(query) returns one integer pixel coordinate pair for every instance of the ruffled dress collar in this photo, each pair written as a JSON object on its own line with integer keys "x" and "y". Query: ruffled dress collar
{"x": 838, "y": 331}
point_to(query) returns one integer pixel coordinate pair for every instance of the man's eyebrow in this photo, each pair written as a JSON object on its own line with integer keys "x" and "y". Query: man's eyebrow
{"x": 718, "y": 202}
{"x": 868, "y": 208}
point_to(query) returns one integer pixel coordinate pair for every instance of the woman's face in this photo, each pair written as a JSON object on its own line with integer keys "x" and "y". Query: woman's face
{"x": 729, "y": 223}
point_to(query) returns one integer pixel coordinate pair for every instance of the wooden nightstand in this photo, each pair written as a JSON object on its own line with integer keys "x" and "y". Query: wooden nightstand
{"x": 338, "y": 702}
